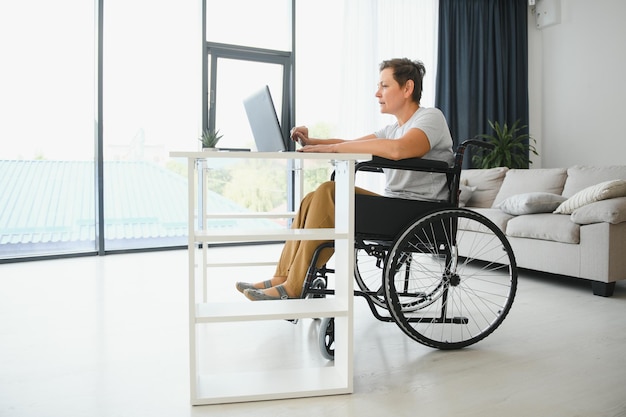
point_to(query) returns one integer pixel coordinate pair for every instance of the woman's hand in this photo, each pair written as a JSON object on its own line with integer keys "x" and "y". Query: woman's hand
{"x": 300, "y": 134}
{"x": 330, "y": 148}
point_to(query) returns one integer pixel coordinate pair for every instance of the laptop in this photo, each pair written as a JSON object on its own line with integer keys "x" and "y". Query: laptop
{"x": 264, "y": 122}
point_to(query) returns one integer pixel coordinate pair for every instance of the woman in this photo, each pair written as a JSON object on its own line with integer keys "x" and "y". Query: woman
{"x": 418, "y": 132}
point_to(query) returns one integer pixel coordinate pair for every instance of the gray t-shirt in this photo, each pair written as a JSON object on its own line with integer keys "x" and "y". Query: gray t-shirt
{"x": 421, "y": 185}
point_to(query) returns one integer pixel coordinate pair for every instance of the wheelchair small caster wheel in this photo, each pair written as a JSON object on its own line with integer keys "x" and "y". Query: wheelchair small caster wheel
{"x": 318, "y": 284}
{"x": 327, "y": 338}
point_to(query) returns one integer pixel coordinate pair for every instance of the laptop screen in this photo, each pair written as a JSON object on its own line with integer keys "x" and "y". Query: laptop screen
{"x": 264, "y": 122}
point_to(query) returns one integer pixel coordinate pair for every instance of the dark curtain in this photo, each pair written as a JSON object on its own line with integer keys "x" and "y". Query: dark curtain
{"x": 482, "y": 69}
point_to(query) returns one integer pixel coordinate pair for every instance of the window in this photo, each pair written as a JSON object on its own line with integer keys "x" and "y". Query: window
{"x": 46, "y": 134}
{"x": 236, "y": 80}
{"x": 237, "y": 64}
{"x": 153, "y": 103}
{"x": 151, "y": 106}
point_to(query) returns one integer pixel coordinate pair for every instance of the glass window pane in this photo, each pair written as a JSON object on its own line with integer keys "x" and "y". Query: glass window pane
{"x": 256, "y": 23}
{"x": 237, "y": 80}
{"x": 244, "y": 185}
{"x": 319, "y": 108}
{"x": 47, "y": 129}
{"x": 152, "y": 84}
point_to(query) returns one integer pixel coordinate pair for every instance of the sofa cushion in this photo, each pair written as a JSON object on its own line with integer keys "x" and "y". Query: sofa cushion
{"x": 531, "y": 203}
{"x": 609, "y": 211}
{"x": 521, "y": 181}
{"x": 544, "y": 226}
{"x": 487, "y": 183}
{"x": 602, "y": 191}
{"x": 497, "y": 216}
{"x": 581, "y": 176}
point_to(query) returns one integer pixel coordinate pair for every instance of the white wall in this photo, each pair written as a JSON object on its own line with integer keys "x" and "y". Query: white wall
{"x": 577, "y": 85}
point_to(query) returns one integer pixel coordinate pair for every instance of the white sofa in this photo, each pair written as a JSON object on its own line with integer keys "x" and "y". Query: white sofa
{"x": 586, "y": 236}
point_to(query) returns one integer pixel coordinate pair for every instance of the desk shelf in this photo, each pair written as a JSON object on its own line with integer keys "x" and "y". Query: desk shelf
{"x": 290, "y": 309}
{"x": 267, "y": 235}
{"x": 209, "y": 383}
{"x": 257, "y": 386}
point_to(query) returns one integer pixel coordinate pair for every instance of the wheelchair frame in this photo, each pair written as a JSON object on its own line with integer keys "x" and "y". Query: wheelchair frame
{"x": 447, "y": 278}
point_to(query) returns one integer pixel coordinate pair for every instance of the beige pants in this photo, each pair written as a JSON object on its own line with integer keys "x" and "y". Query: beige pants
{"x": 317, "y": 210}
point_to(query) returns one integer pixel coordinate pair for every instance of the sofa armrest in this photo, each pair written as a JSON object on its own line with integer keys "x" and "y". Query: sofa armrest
{"x": 612, "y": 211}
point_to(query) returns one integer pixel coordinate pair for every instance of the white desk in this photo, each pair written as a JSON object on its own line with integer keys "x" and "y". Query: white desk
{"x": 223, "y": 387}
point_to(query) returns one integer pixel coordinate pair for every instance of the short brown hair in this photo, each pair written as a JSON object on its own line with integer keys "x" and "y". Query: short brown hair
{"x": 403, "y": 70}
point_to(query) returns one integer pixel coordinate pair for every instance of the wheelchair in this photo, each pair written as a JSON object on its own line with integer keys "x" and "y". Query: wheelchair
{"x": 445, "y": 275}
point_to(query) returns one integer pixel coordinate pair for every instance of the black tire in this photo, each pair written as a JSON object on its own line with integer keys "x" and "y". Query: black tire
{"x": 456, "y": 271}
{"x": 368, "y": 274}
{"x": 369, "y": 270}
{"x": 327, "y": 338}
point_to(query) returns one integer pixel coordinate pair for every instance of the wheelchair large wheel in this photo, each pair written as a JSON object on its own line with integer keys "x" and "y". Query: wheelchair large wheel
{"x": 457, "y": 272}
{"x": 368, "y": 273}
{"x": 369, "y": 270}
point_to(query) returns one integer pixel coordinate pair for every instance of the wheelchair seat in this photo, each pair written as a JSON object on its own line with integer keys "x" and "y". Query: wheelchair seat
{"x": 383, "y": 218}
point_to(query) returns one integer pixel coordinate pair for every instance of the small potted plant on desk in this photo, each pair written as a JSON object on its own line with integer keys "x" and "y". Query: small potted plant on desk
{"x": 209, "y": 139}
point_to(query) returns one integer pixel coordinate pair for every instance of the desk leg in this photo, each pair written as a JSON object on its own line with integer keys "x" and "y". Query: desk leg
{"x": 344, "y": 265}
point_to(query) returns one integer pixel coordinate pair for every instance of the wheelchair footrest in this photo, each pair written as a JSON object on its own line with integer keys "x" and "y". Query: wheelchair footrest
{"x": 438, "y": 320}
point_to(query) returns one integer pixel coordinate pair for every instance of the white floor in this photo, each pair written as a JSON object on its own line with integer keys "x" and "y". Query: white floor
{"x": 107, "y": 336}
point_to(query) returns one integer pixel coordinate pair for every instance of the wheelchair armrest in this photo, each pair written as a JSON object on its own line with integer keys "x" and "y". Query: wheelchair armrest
{"x": 411, "y": 164}
{"x": 376, "y": 164}
{"x": 474, "y": 142}
{"x": 360, "y": 166}
{"x": 468, "y": 143}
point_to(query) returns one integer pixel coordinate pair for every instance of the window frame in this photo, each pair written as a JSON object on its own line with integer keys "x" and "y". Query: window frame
{"x": 214, "y": 51}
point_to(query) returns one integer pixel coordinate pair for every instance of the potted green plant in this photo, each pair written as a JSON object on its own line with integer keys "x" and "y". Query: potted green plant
{"x": 209, "y": 138}
{"x": 511, "y": 147}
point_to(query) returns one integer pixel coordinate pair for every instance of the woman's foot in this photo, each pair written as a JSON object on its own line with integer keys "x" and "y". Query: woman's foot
{"x": 278, "y": 292}
{"x": 242, "y": 286}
